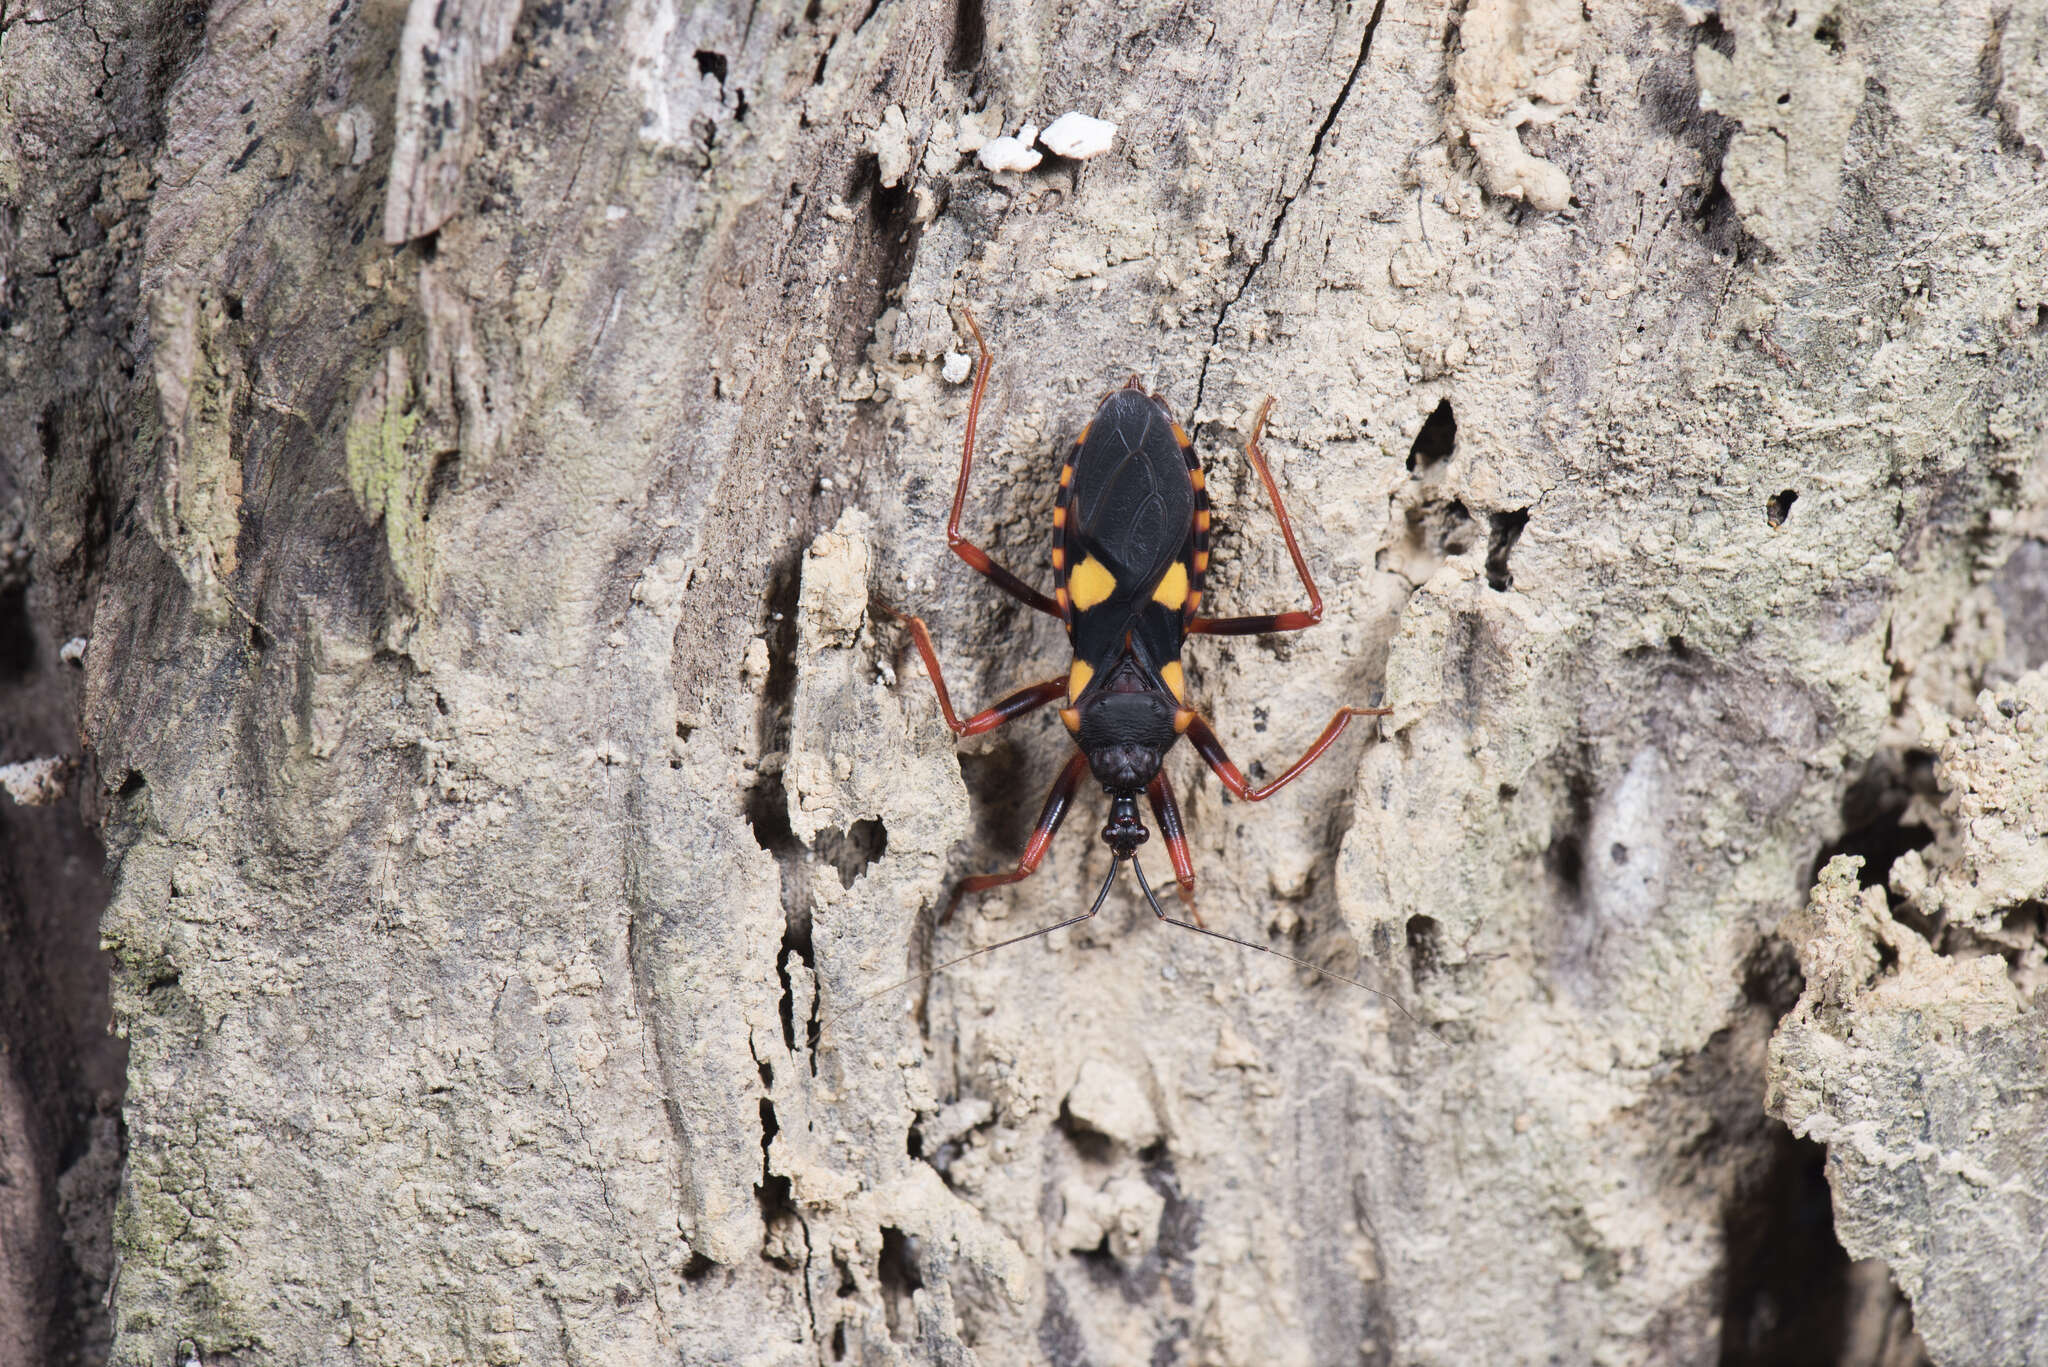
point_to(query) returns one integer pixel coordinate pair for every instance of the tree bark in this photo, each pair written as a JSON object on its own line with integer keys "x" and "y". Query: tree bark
{"x": 480, "y": 444}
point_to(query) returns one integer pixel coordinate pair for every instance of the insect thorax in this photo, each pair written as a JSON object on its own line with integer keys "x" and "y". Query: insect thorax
{"x": 1126, "y": 736}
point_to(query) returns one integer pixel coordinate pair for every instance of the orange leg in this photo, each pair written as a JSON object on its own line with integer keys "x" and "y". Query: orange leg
{"x": 1166, "y": 812}
{"x": 1025, "y": 700}
{"x": 961, "y": 546}
{"x": 1279, "y": 621}
{"x": 1211, "y": 751}
{"x": 1049, "y": 818}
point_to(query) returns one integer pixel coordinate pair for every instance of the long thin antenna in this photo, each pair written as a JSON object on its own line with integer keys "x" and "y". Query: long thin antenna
{"x": 1101, "y": 896}
{"x": 1388, "y": 997}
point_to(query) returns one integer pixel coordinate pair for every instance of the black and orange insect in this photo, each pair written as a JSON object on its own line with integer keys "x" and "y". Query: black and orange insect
{"x": 1129, "y": 554}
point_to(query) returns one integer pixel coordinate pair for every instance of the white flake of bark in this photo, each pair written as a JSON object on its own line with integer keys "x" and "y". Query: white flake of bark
{"x": 890, "y": 142}
{"x": 977, "y": 130}
{"x": 1122, "y": 1216}
{"x": 35, "y": 782}
{"x": 1077, "y": 136}
{"x": 1011, "y": 154}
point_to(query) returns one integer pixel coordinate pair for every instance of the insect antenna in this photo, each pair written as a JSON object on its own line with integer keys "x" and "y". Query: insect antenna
{"x": 1101, "y": 895}
{"x": 1388, "y": 997}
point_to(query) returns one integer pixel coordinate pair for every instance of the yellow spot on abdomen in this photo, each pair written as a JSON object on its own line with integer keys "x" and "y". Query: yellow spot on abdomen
{"x": 1173, "y": 587}
{"x": 1175, "y": 680}
{"x": 1077, "y": 678}
{"x": 1091, "y": 583}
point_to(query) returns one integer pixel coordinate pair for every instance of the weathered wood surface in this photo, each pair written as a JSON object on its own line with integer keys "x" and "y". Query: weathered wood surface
{"x": 510, "y": 423}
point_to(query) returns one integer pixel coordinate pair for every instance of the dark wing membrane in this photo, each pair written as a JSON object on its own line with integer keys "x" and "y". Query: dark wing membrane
{"x": 1132, "y": 509}
{"x": 1133, "y": 502}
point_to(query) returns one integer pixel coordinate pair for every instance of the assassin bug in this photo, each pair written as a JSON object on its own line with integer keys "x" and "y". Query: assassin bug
{"x": 1130, "y": 549}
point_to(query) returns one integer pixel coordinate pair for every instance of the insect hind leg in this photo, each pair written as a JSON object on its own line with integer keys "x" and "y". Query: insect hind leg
{"x": 1203, "y": 737}
{"x": 1298, "y": 620}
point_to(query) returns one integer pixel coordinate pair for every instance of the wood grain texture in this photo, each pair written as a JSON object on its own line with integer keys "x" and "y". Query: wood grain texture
{"x": 444, "y": 53}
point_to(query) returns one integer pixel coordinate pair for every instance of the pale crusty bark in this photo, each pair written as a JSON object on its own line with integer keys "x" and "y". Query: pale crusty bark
{"x": 515, "y": 790}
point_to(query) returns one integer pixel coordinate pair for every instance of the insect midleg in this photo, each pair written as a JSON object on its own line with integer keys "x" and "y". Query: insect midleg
{"x": 1025, "y": 700}
{"x": 1166, "y": 812}
{"x": 1211, "y": 750}
{"x": 1049, "y": 817}
{"x": 974, "y": 555}
{"x": 1279, "y": 621}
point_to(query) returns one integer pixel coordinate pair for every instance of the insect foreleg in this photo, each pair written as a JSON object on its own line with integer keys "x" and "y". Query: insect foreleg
{"x": 1166, "y": 812}
{"x": 1049, "y": 818}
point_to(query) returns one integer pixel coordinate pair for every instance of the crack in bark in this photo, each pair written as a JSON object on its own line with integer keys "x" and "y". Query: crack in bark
{"x": 1315, "y": 152}
{"x": 604, "y": 1186}
{"x": 818, "y": 1338}
{"x": 777, "y": 1194}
